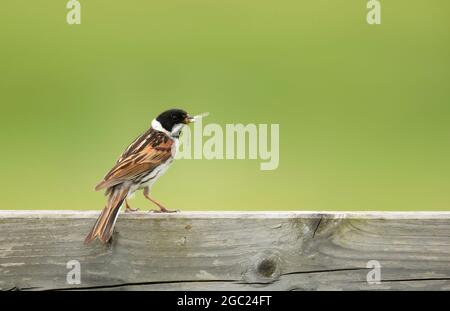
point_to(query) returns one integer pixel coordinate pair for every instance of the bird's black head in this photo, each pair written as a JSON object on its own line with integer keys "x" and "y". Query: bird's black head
{"x": 170, "y": 118}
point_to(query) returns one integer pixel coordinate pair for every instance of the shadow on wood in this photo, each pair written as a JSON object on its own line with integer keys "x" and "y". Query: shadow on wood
{"x": 227, "y": 251}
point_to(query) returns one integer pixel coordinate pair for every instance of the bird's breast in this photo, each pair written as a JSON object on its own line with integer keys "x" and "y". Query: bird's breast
{"x": 175, "y": 145}
{"x": 148, "y": 179}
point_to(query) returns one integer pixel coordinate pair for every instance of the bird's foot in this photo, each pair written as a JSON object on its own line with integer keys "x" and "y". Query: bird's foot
{"x": 163, "y": 210}
{"x": 131, "y": 210}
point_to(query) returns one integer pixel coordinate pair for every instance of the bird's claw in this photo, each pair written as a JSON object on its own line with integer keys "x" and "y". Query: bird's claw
{"x": 163, "y": 210}
{"x": 131, "y": 210}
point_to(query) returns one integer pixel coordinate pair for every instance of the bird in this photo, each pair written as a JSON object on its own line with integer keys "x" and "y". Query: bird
{"x": 145, "y": 160}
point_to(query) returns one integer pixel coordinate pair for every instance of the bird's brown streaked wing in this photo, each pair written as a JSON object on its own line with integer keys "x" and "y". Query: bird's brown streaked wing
{"x": 142, "y": 156}
{"x": 136, "y": 143}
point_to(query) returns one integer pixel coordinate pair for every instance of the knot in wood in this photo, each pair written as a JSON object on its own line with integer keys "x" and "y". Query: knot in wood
{"x": 267, "y": 267}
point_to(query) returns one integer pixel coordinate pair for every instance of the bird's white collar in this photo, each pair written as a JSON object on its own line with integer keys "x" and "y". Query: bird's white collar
{"x": 156, "y": 125}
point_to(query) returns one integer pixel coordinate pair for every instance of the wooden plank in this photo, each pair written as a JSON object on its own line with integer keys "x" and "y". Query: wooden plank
{"x": 228, "y": 251}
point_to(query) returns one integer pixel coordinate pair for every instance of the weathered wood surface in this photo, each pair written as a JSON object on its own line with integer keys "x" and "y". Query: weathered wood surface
{"x": 227, "y": 251}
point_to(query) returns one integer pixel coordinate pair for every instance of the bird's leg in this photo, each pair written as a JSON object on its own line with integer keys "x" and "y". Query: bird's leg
{"x": 128, "y": 209}
{"x": 162, "y": 209}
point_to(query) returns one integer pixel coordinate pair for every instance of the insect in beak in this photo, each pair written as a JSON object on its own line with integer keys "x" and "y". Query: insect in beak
{"x": 190, "y": 119}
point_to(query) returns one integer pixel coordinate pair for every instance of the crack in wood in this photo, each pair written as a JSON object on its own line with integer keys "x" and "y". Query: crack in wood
{"x": 317, "y": 227}
{"x": 15, "y": 288}
{"x": 324, "y": 271}
{"x": 137, "y": 284}
{"x": 416, "y": 280}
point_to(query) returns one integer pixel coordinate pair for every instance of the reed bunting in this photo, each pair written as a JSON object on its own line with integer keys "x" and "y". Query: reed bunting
{"x": 140, "y": 165}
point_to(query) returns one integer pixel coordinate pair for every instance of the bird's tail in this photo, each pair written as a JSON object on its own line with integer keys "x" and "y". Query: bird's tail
{"x": 104, "y": 226}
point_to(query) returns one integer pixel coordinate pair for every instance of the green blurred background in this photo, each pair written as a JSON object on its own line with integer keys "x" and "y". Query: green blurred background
{"x": 363, "y": 110}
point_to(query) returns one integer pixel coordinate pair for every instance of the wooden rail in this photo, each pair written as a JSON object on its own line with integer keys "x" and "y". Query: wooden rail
{"x": 227, "y": 251}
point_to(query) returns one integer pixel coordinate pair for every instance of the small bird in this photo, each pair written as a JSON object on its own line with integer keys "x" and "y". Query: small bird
{"x": 139, "y": 166}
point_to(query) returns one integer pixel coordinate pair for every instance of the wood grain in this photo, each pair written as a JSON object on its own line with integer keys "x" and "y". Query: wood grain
{"x": 227, "y": 251}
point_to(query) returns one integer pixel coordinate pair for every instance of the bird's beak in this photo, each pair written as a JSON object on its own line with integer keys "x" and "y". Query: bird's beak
{"x": 189, "y": 119}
